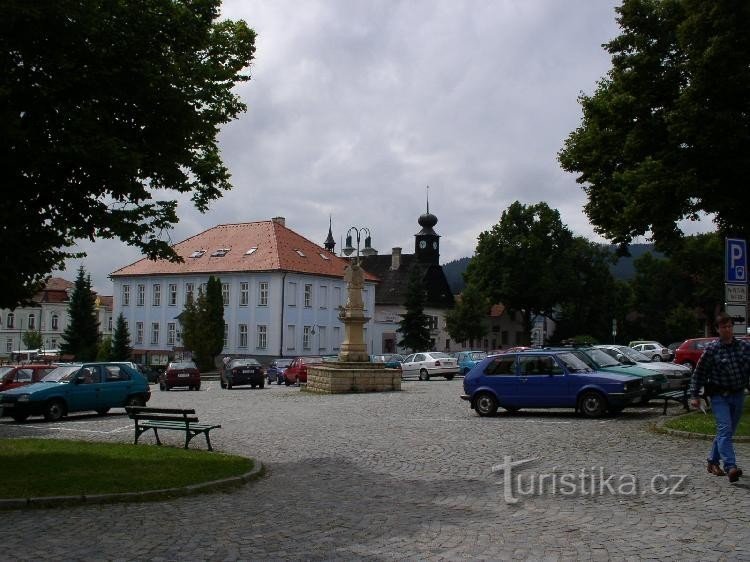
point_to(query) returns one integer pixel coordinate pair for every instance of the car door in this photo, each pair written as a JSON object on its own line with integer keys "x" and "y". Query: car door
{"x": 500, "y": 376}
{"x": 408, "y": 367}
{"x": 83, "y": 390}
{"x": 542, "y": 382}
{"x": 116, "y": 387}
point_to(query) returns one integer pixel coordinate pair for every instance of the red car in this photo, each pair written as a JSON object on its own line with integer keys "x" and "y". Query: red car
{"x": 180, "y": 373}
{"x": 12, "y": 376}
{"x": 297, "y": 371}
{"x": 691, "y": 350}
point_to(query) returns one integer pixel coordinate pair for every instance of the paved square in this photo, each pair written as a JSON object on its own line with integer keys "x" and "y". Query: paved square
{"x": 405, "y": 475}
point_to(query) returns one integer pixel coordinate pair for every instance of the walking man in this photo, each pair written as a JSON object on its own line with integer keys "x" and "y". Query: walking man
{"x": 723, "y": 371}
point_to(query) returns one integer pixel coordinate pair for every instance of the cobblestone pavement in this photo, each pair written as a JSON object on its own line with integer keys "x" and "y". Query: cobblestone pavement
{"x": 405, "y": 475}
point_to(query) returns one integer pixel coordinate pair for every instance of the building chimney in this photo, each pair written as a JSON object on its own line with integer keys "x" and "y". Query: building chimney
{"x": 279, "y": 220}
{"x": 395, "y": 259}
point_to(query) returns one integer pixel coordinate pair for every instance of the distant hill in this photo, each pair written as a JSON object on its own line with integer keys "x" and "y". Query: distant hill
{"x": 623, "y": 269}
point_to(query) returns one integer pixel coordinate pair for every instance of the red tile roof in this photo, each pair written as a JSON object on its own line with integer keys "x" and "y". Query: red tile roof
{"x": 277, "y": 248}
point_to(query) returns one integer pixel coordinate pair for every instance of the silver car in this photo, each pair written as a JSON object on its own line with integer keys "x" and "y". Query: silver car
{"x": 654, "y": 351}
{"x": 429, "y": 364}
{"x": 678, "y": 376}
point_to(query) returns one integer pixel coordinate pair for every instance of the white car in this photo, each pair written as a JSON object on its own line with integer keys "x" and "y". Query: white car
{"x": 678, "y": 375}
{"x": 654, "y": 351}
{"x": 429, "y": 364}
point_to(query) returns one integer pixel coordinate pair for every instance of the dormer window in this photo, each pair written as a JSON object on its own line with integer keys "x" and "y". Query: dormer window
{"x": 300, "y": 253}
{"x": 197, "y": 253}
{"x": 220, "y": 253}
{"x": 325, "y": 257}
{"x": 251, "y": 251}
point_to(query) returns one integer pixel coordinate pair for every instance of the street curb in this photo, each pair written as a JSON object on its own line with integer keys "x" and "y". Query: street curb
{"x": 659, "y": 428}
{"x": 147, "y": 495}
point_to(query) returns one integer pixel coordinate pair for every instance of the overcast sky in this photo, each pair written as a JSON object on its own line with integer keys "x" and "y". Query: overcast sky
{"x": 355, "y": 106}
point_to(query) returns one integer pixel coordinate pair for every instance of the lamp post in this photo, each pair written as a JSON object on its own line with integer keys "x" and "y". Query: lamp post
{"x": 353, "y": 348}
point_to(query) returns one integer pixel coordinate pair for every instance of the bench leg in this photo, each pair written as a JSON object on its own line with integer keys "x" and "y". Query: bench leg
{"x": 156, "y": 434}
{"x": 666, "y": 402}
{"x": 208, "y": 441}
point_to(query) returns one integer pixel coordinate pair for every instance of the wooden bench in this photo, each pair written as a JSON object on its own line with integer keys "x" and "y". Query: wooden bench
{"x": 174, "y": 419}
{"x": 680, "y": 396}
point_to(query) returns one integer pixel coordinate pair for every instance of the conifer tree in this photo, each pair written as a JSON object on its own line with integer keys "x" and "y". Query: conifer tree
{"x": 81, "y": 336}
{"x": 415, "y": 333}
{"x": 121, "y": 349}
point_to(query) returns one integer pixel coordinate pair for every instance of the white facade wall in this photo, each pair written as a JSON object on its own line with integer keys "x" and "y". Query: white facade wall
{"x": 386, "y": 322}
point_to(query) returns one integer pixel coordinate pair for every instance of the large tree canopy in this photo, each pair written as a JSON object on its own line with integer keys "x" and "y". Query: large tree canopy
{"x": 666, "y": 135}
{"x": 103, "y": 102}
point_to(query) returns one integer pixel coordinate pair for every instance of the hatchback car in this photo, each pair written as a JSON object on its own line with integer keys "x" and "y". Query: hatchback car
{"x": 429, "y": 364}
{"x": 75, "y": 388}
{"x": 12, "y": 376}
{"x": 297, "y": 370}
{"x": 467, "y": 359}
{"x": 653, "y": 350}
{"x": 547, "y": 379}
{"x": 678, "y": 376}
{"x": 690, "y": 351}
{"x": 180, "y": 373}
{"x": 242, "y": 371}
{"x": 275, "y": 371}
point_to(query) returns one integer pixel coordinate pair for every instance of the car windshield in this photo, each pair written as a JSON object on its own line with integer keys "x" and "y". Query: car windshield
{"x": 282, "y": 362}
{"x": 182, "y": 365}
{"x": 477, "y": 355}
{"x": 62, "y": 374}
{"x": 244, "y": 363}
{"x": 632, "y": 354}
{"x": 4, "y": 370}
{"x": 574, "y": 363}
{"x": 602, "y": 358}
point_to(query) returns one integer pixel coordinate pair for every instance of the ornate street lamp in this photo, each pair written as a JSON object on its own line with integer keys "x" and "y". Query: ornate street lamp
{"x": 368, "y": 250}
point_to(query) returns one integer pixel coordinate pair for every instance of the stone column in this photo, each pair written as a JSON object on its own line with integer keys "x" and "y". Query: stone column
{"x": 353, "y": 348}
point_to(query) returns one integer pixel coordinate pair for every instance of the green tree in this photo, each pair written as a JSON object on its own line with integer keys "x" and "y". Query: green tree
{"x": 104, "y": 351}
{"x": 413, "y": 327}
{"x": 202, "y": 324}
{"x": 102, "y": 104}
{"x": 81, "y": 336}
{"x": 666, "y": 135}
{"x": 468, "y": 319}
{"x": 32, "y": 339}
{"x": 120, "y": 350}
{"x": 519, "y": 261}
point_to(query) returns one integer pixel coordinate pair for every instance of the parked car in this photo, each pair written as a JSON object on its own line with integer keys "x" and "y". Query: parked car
{"x": 12, "y": 376}
{"x": 653, "y": 350}
{"x": 151, "y": 374}
{"x": 547, "y": 379}
{"x": 180, "y": 373}
{"x": 297, "y": 371}
{"x": 678, "y": 376}
{"x": 653, "y": 383}
{"x": 275, "y": 371}
{"x": 242, "y": 371}
{"x": 429, "y": 364}
{"x": 391, "y": 360}
{"x": 76, "y": 388}
{"x": 467, "y": 359}
{"x": 691, "y": 350}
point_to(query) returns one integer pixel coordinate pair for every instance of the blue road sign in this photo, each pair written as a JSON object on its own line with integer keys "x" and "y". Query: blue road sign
{"x": 736, "y": 260}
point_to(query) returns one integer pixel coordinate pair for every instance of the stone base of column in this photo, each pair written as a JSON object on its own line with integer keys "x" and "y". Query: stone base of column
{"x": 351, "y": 377}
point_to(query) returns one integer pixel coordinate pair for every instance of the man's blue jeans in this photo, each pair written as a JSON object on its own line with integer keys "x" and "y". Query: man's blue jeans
{"x": 727, "y": 411}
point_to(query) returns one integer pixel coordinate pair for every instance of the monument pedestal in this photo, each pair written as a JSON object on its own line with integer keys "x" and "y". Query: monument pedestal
{"x": 348, "y": 377}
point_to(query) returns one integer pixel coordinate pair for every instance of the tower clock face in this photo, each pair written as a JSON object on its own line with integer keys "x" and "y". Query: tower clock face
{"x": 422, "y": 244}
{"x": 434, "y": 245}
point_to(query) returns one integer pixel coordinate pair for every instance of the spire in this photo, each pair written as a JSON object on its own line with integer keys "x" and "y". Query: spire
{"x": 330, "y": 243}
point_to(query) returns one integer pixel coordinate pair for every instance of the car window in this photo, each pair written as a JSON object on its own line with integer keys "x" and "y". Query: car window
{"x": 501, "y": 366}
{"x": 182, "y": 365}
{"x": 113, "y": 373}
{"x": 244, "y": 362}
{"x": 574, "y": 363}
{"x": 88, "y": 375}
{"x": 602, "y": 358}
{"x": 24, "y": 375}
{"x": 478, "y": 355}
{"x": 419, "y": 357}
{"x": 62, "y": 374}
{"x": 409, "y": 358}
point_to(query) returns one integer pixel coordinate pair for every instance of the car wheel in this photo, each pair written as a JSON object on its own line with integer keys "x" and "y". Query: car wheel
{"x": 102, "y": 411}
{"x": 162, "y": 386}
{"x": 54, "y": 410}
{"x": 20, "y": 417}
{"x": 424, "y": 375}
{"x": 656, "y": 357}
{"x": 485, "y": 404}
{"x": 286, "y": 382}
{"x": 592, "y": 404}
{"x": 449, "y": 377}
{"x": 223, "y": 384}
{"x": 135, "y": 400}
{"x": 278, "y": 381}
{"x": 229, "y": 385}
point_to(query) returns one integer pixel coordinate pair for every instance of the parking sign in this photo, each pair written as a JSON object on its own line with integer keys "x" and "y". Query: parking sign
{"x": 736, "y": 260}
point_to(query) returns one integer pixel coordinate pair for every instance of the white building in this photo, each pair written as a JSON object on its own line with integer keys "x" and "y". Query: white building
{"x": 282, "y": 293}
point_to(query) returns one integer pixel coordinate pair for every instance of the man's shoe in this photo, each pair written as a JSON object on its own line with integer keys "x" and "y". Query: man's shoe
{"x": 733, "y": 474}
{"x": 715, "y": 469}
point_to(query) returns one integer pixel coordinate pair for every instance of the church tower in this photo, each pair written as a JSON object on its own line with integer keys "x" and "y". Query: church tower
{"x": 426, "y": 241}
{"x": 330, "y": 243}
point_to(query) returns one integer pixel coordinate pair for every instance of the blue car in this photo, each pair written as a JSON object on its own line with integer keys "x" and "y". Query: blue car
{"x": 547, "y": 379}
{"x": 467, "y": 360}
{"x": 76, "y": 388}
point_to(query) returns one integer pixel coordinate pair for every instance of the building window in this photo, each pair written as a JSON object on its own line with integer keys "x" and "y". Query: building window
{"x": 139, "y": 332}
{"x": 262, "y": 337}
{"x": 156, "y": 296}
{"x": 337, "y": 296}
{"x": 141, "y": 296}
{"x": 55, "y": 322}
{"x": 32, "y": 322}
{"x": 291, "y": 337}
{"x": 154, "y": 333}
{"x": 263, "y": 293}
{"x": 244, "y": 293}
{"x": 109, "y": 323}
{"x": 306, "y": 337}
{"x": 324, "y": 296}
{"x": 226, "y": 335}
{"x": 171, "y": 333}
{"x": 322, "y": 338}
{"x": 11, "y": 320}
{"x": 188, "y": 292}
{"x": 126, "y": 295}
{"x": 308, "y": 295}
{"x": 225, "y": 293}
{"x": 172, "y": 294}
{"x": 291, "y": 297}
{"x": 9, "y": 345}
{"x": 365, "y": 298}
{"x": 336, "y": 338}
{"x": 242, "y": 340}
{"x": 203, "y": 288}
{"x": 432, "y": 322}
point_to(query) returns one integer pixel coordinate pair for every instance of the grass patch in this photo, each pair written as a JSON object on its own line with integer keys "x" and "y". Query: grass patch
{"x": 698, "y": 422}
{"x": 50, "y": 467}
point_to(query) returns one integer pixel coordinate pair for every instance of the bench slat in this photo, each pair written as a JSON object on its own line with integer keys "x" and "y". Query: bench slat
{"x": 177, "y": 419}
